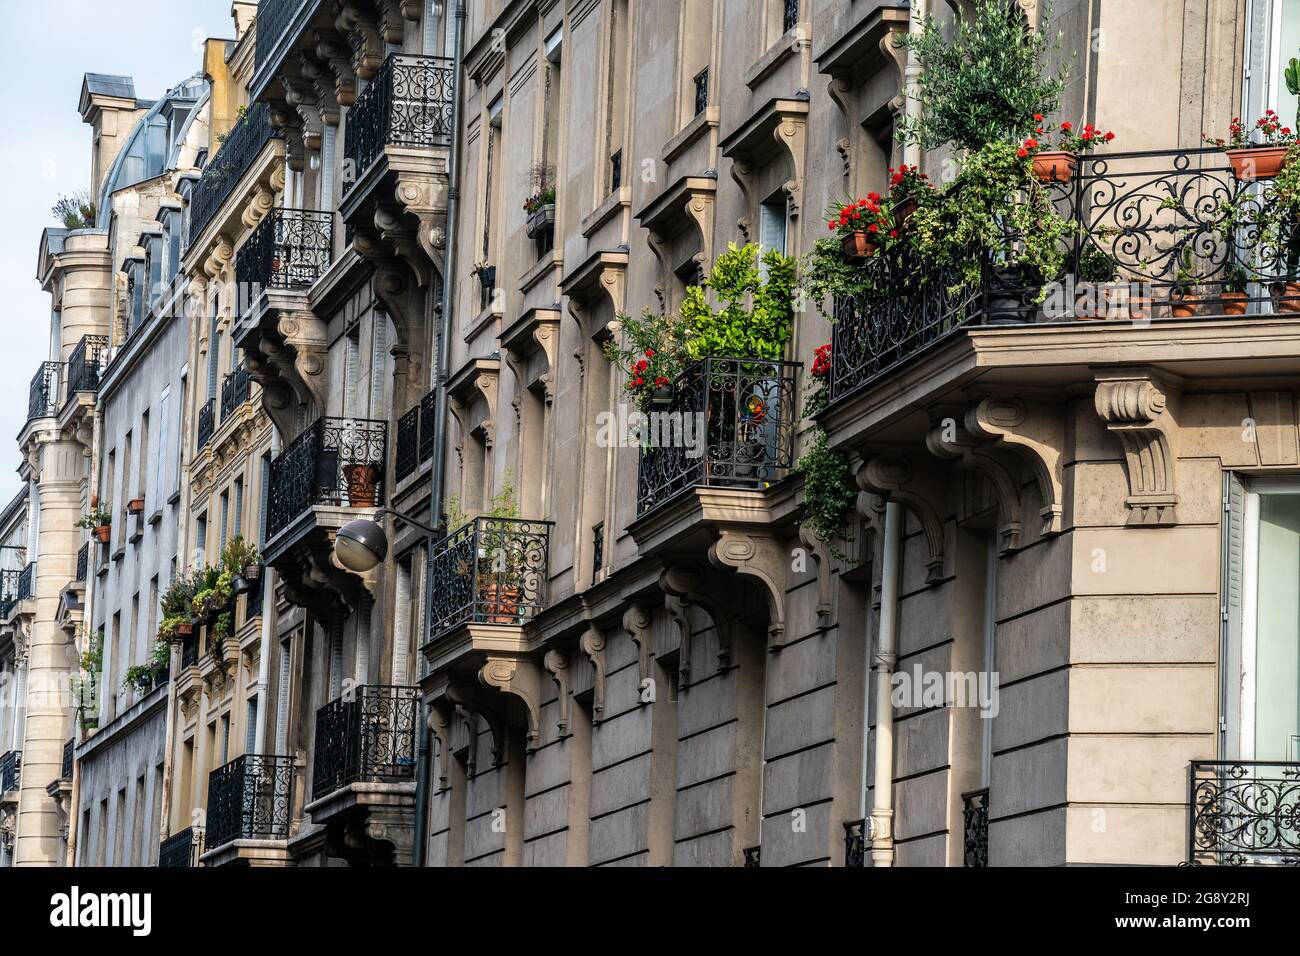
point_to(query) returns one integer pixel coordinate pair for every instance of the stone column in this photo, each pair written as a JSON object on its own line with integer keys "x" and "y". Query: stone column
{"x": 50, "y": 658}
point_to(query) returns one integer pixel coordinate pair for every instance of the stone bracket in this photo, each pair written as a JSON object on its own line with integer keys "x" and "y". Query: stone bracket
{"x": 763, "y": 558}
{"x": 592, "y": 643}
{"x": 1037, "y": 435}
{"x": 893, "y": 477}
{"x": 970, "y": 451}
{"x": 686, "y": 584}
{"x": 825, "y": 584}
{"x": 636, "y": 621}
{"x": 521, "y": 678}
{"x": 1135, "y": 408}
{"x": 556, "y": 663}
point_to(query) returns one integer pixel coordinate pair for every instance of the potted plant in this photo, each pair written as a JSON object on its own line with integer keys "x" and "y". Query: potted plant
{"x": 540, "y": 204}
{"x": 1262, "y": 157}
{"x": 487, "y": 275}
{"x": 1233, "y": 292}
{"x": 1182, "y": 295}
{"x": 135, "y": 506}
{"x": 1056, "y": 164}
{"x": 99, "y": 522}
{"x": 651, "y": 352}
{"x": 1094, "y": 271}
{"x": 862, "y": 226}
{"x": 496, "y": 563}
{"x": 908, "y": 188}
{"x": 139, "y": 677}
{"x": 363, "y": 482}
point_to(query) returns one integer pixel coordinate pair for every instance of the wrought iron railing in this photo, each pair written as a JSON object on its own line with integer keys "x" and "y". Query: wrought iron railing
{"x": 11, "y": 765}
{"x": 753, "y": 856}
{"x": 428, "y": 425}
{"x": 207, "y": 424}
{"x": 855, "y": 844}
{"x": 180, "y": 850}
{"x": 43, "y": 397}
{"x": 408, "y": 443}
{"x": 335, "y": 461}
{"x": 730, "y": 424}
{"x": 1160, "y": 218}
{"x": 1243, "y": 813}
{"x": 190, "y": 649}
{"x": 69, "y": 752}
{"x": 407, "y": 103}
{"x": 790, "y": 15}
{"x": 701, "y": 91}
{"x": 234, "y": 390}
{"x": 27, "y": 582}
{"x": 273, "y": 19}
{"x": 597, "y": 551}
{"x": 253, "y": 601}
{"x": 8, "y": 590}
{"x": 83, "y": 562}
{"x": 250, "y": 798}
{"x": 367, "y": 736}
{"x": 228, "y": 165}
{"x": 975, "y": 841}
{"x": 490, "y": 571}
{"x": 86, "y": 364}
{"x": 289, "y": 249}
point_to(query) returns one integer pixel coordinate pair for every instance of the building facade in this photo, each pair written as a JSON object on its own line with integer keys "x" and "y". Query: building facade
{"x": 367, "y": 294}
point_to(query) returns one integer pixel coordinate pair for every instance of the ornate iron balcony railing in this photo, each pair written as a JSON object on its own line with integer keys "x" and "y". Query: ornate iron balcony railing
{"x": 83, "y": 562}
{"x": 86, "y": 364}
{"x": 289, "y": 249}
{"x": 790, "y": 15}
{"x": 730, "y": 424}
{"x": 43, "y": 397}
{"x": 335, "y": 461}
{"x": 753, "y": 857}
{"x": 855, "y": 844}
{"x": 253, "y": 602}
{"x": 408, "y": 443}
{"x": 428, "y": 425}
{"x": 11, "y": 765}
{"x": 228, "y": 165}
{"x": 190, "y": 649}
{"x": 27, "y": 582}
{"x": 273, "y": 19}
{"x": 407, "y": 103}
{"x": 69, "y": 752}
{"x": 366, "y": 737}
{"x": 207, "y": 424}
{"x": 234, "y": 390}
{"x": 701, "y": 91}
{"x": 250, "y": 799}
{"x": 1158, "y": 215}
{"x": 1243, "y": 812}
{"x": 976, "y": 827}
{"x": 8, "y": 590}
{"x": 180, "y": 849}
{"x": 490, "y": 571}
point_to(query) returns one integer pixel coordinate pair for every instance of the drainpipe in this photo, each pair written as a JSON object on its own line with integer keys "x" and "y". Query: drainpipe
{"x": 268, "y": 625}
{"x": 882, "y": 809}
{"x": 912, "y": 76}
{"x": 424, "y": 755}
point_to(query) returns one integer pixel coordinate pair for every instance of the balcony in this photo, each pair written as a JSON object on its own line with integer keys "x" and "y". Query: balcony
{"x": 228, "y": 166}
{"x": 86, "y": 364}
{"x": 408, "y": 103}
{"x": 975, "y": 840}
{"x": 367, "y": 737}
{"x": 181, "y": 850}
{"x": 273, "y": 19}
{"x": 250, "y": 798}
{"x": 490, "y": 571}
{"x": 11, "y": 765}
{"x": 234, "y": 390}
{"x": 83, "y": 562}
{"x": 207, "y": 424}
{"x": 415, "y": 436}
{"x": 335, "y": 462}
{"x": 1243, "y": 813}
{"x": 69, "y": 755}
{"x": 43, "y": 397}
{"x": 26, "y": 583}
{"x": 1157, "y": 215}
{"x": 730, "y": 425}
{"x": 289, "y": 249}
{"x": 8, "y": 591}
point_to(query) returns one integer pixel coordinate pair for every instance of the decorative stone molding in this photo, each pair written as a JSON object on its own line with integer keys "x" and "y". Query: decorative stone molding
{"x": 308, "y": 337}
{"x": 894, "y": 478}
{"x": 1134, "y": 406}
{"x": 777, "y": 128}
{"x": 970, "y": 452}
{"x": 481, "y": 377}
{"x": 537, "y": 330}
{"x": 519, "y": 677}
{"x": 440, "y": 725}
{"x": 1037, "y": 435}
{"x": 602, "y": 274}
{"x": 687, "y": 585}
{"x": 556, "y": 663}
{"x": 483, "y": 703}
{"x": 636, "y": 621}
{"x": 592, "y": 643}
{"x": 825, "y": 583}
{"x": 764, "y": 559}
{"x": 681, "y": 620}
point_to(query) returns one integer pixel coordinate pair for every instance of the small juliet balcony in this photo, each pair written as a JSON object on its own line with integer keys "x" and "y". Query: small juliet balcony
{"x": 975, "y": 839}
{"x": 19, "y": 601}
{"x": 235, "y": 389}
{"x": 250, "y": 805}
{"x": 11, "y": 765}
{"x": 43, "y": 395}
{"x": 1243, "y": 813}
{"x": 364, "y": 773}
{"x": 724, "y": 438}
{"x": 415, "y": 436}
{"x": 182, "y": 849}
{"x": 206, "y": 425}
{"x": 86, "y": 366}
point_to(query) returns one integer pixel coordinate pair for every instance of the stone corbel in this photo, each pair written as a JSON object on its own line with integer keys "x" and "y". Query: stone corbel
{"x": 1037, "y": 435}
{"x": 556, "y": 663}
{"x": 687, "y": 584}
{"x": 300, "y": 93}
{"x": 390, "y": 21}
{"x": 1135, "y": 408}
{"x": 969, "y": 451}
{"x": 636, "y": 621}
{"x": 681, "y": 620}
{"x": 440, "y": 715}
{"x": 743, "y": 175}
{"x": 424, "y": 195}
{"x": 484, "y": 703}
{"x": 791, "y": 134}
{"x": 547, "y": 336}
{"x": 219, "y": 256}
{"x": 520, "y": 678}
{"x": 332, "y": 51}
{"x": 825, "y": 583}
{"x": 893, "y": 477}
{"x": 592, "y": 643}
{"x": 363, "y": 37}
{"x": 701, "y": 208}
{"x": 841, "y": 93}
{"x": 261, "y": 203}
{"x": 308, "y": 337}
{"x": 764, "y": 559}
{"x": 659, "y": 246}
{"x": 286, "y": 119}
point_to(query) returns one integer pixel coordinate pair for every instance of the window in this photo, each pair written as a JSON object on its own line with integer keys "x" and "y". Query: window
{"x": 239, "y": 507}
{"x": 265, "y": 500}
{"x": 493, "y": 147}
{"x": 789, "y": 15}
{"x": 616, "y": 100}
{"x": 200, "y": 540}
{"x": 225, "y": 519}
{"x": 1272, "y": 39}
{"x": 351, "y": 369}
{"x": 694, "y": 58}
{"x": 160, "y": 490}
{"x": 142, "y": 479}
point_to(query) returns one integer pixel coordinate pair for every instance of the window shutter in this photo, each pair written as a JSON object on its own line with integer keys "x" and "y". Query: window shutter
{"x": 1234, "y": 521}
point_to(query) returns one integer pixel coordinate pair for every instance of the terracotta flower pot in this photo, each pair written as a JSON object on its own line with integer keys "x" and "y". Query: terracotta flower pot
{"x": 1286, "y": 297}
{"x": 501, "y": 603}
{"x": 1234, "y": 303}
{"x": 1256, "y": 162}
{"x": 253, "y": 572}
{"x": 135, "y": 506}
{"x": 857, "y": 247}
{"x": 1055, "y": 166}
{"x": 361, "y": 481}
{"x": 1183, "y": 306}
{"x": 103, "y": 532}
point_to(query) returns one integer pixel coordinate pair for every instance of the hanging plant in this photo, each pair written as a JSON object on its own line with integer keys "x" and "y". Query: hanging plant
{"x": 828, "y": 490}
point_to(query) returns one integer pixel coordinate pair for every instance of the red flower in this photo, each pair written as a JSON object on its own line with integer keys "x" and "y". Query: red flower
{"x": 660, "y": 382}
{"x": 893, "y": 234}
{"x": 1067, "y": 126}
{"x": 1108, "y": 137}
{"x": 1031, "y": 143}
{"x": 649, "y": 353}
{"x": 874, "y": 227}
{"x": 1038, "y": 117}
{"x": 641, "y": 366}
{"x": 1022, "y": 152}
{"x": 638, "y": 381}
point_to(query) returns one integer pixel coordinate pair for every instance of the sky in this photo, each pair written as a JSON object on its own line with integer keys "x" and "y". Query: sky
{"x": 45, "y": 148}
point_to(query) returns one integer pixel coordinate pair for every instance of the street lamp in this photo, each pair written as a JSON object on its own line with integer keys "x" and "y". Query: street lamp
{"x": 361, "y": 545}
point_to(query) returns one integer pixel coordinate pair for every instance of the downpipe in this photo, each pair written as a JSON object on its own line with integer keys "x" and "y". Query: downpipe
{"x": 882, "y": 808}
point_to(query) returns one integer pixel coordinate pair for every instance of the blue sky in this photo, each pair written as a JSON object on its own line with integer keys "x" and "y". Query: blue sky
{"x": 45, "y": 148}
